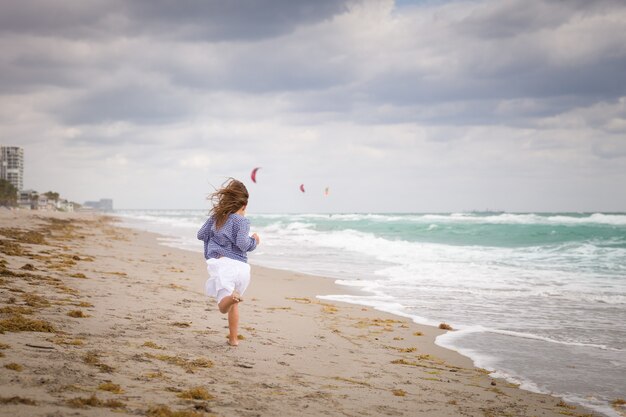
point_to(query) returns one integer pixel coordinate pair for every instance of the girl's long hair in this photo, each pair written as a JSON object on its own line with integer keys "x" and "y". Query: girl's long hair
{"x": 232, "y": 196}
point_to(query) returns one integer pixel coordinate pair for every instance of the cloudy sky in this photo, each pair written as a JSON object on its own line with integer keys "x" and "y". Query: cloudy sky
{"x": 399, "y": 106}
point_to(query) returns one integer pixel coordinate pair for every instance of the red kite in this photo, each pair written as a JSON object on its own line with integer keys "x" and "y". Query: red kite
{"x": 253, "y": 174}
{"x": 302, "y": 187}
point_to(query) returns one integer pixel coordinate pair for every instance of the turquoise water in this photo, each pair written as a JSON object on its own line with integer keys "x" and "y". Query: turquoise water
{"x": 539, "y": 298}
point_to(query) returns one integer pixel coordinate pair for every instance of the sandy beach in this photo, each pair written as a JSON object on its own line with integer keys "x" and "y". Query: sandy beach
{"x": 97, "y": 319}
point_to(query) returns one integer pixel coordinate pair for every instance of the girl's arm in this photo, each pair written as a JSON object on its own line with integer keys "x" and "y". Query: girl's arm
{"x": 206, "y": 231}
{"x": 242, "y": 238}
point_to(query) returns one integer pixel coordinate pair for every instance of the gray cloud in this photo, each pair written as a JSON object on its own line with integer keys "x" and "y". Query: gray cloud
{"x": 206, "y": 20}
{"x": 231, "y": 20}
{"x": 137, "y": 103}
{"x": 518, "y": 17}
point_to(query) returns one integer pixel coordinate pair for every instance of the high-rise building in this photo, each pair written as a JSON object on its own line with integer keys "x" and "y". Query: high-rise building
{"x": 12, "y": 165}
{"x": 105, "y": 204}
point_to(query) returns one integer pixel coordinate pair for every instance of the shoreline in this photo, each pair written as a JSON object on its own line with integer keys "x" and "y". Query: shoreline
{"x": 298, "y": 353}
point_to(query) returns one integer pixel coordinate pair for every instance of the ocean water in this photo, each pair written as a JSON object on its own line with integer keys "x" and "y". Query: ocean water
{"x": 539, "y": 299}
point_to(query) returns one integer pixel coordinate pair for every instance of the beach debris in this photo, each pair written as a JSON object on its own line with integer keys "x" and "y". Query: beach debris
{"x": 493, "y": 383}
{"x": 302, "y": 300}
{"x": 398, "y": 392}
{"x": 62, "y": 341}
{"x": 243, "y": 365}
{"x": 302, "y": 187}
{"x": 197, "y": 393}
{"x": 328, "y": 308}
{"x": 563, "y": 404}
{"x": 93, "y": 401}
{"x": 77, "y": 314}
{"x": 186, "y": 364}
{"x": 158, "y": 374}
{"x": 176, "y": 286}
{"x": 445, "y": 326}
{"x": 253, "y": 174}
{"x": 404, "y": 350}
{"x": 152, "y": 345}
{"x": 39, "y": 346}
{"x": 14, "y": 366}
{"x": 110, "y": 387}
{"x": 84, "y": 304}
{"x": 28, "y": 267}
{"x": 11, "y": 248}
{"x": 24, "y": 236}
{"x": 16, "y": 310}
{"x": 352, "y": 381}
{"x": 34, "y": 300}
{"x": 180, "y": 324}
{"x": 19, "y": 323}
{"x": 93, "y": 358}
{"x": 278, "y": 308}
{"x": 165, "y": 411}
{"x": 419, "y": 357}
{"x": 17, "y": 400}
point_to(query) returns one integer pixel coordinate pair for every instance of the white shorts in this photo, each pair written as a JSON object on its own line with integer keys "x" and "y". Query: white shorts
{"x": 225, "y": 276}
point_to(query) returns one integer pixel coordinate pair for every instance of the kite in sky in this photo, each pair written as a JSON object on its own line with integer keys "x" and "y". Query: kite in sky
{"x": 302, "y": 187}
{"x": 253, "y": 174}
{"x": 327, "y": 191}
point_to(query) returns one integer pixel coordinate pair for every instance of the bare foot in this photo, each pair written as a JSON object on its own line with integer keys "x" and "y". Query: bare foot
{"x": 228, "y": 301}
{"x": 233, "y": 343}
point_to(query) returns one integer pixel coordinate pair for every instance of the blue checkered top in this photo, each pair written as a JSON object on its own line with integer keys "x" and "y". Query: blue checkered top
{"x": 231, "y": 240}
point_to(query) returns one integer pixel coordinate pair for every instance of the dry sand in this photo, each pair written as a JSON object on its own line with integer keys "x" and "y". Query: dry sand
{"x": 124, "y": 329}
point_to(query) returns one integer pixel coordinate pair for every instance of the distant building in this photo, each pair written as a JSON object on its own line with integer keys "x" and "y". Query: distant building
{"x": 105, "y": 204}
{"x": 65, "y": 205}
{"x": 28, "y": 199}
{"x": 12, "y": 165}
{"x": 32, "y": 200}
{"x": 44, "y": 203}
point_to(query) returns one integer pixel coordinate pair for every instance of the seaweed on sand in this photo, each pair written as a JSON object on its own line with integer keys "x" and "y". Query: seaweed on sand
{"x": 93, "y": 358}
{"x": 23, "y": 236}
{"x": 93, "y": 401}
{"x": 19, "y": 323}
{"x": 78, "y": 314}
{"x": 111, "y": 387}
{"x": 34, "y": 300}
{"x": 188, "y": 365}
{"x": 11, "y": 248}
{"x": 165, "y": 411}
{"x": 197, "y": 393}
{"x": 14, "y": 366}
{"x": 152, "y": 345}
{"x": 17, "y": 400}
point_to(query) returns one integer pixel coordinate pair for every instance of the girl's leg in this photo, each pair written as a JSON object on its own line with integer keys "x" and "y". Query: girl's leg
{"x": 233, "y": 324}
{"x": 228, "y": 301}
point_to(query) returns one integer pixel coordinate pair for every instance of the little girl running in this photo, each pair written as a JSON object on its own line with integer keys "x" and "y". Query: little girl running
{"x": 226, "y": 243}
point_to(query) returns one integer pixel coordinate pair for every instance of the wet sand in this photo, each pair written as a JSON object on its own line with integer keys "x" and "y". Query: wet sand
{"x": 99, "y": 319}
